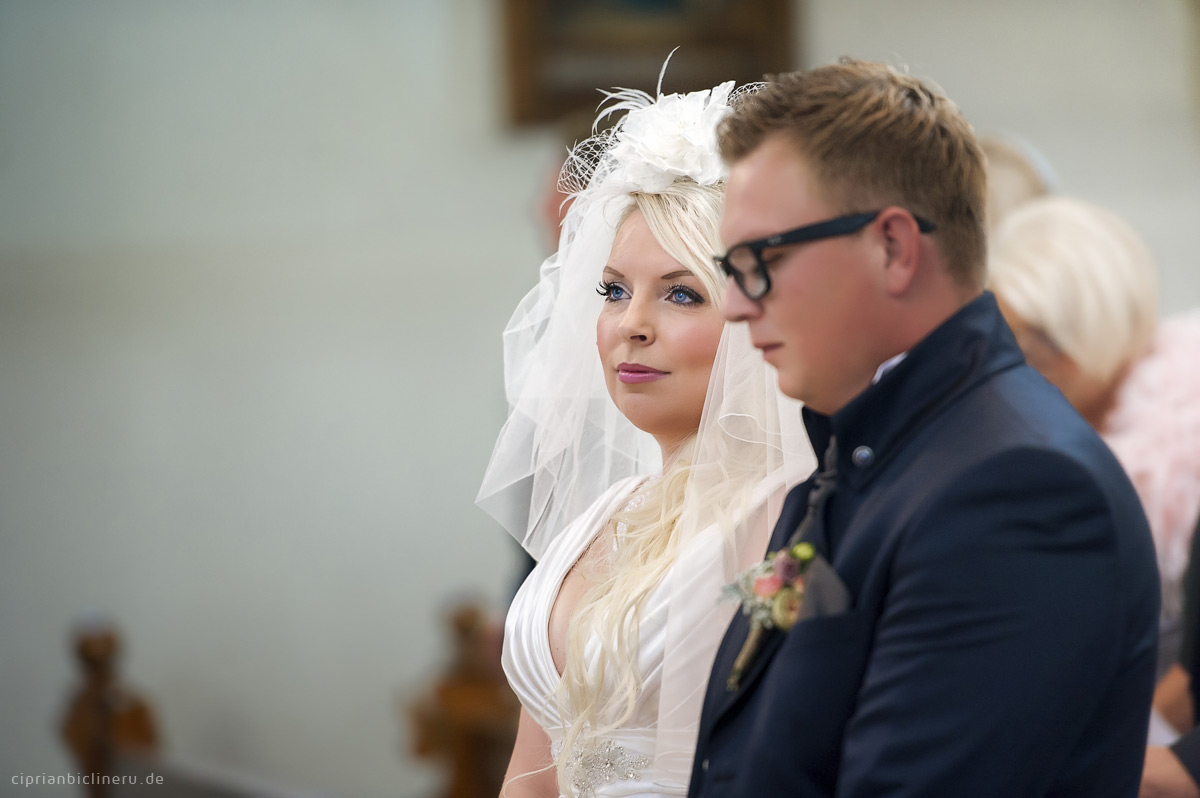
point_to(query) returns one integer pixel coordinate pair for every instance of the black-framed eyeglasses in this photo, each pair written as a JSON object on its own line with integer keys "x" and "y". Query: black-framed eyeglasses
{"x": 744, "y": 262}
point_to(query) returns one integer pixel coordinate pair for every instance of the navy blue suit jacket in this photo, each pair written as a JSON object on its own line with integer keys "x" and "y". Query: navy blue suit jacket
{"x": 1002, "y": 631}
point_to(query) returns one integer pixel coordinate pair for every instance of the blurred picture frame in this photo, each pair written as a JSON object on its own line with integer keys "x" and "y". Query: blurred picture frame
{"x": 559, "y": 53}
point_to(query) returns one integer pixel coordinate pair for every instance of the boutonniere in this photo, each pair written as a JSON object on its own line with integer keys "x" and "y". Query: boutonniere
{"x": 771, "y": 593}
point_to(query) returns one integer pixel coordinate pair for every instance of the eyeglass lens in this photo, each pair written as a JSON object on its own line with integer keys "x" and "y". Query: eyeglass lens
{"x": 748, "y": 273}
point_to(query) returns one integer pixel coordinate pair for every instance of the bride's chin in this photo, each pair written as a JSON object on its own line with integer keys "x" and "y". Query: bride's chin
{"x": 645, "y": 412}
{"x": 666, "y": 428}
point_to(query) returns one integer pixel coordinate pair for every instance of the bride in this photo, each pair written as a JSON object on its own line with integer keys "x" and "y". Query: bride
{"x": 643, "y": 479}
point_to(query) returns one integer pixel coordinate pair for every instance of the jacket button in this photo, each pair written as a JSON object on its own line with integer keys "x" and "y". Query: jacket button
{"x": 704, "y": 765}
{"x": 863, "y": 456}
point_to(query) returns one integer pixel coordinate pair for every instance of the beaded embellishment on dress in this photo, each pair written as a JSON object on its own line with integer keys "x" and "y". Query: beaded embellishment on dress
{"x": 604, "y": 763}
{"x": 635, "y": 502}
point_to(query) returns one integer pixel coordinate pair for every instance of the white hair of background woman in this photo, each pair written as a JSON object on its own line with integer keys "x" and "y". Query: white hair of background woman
{"x": 1082, "y": 276}
{"x": 1017, "y": 173}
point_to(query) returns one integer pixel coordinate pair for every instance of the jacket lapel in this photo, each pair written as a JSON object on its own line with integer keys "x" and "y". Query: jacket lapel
{"x": 720, "y": 699}
{"x": 756, "y": 668}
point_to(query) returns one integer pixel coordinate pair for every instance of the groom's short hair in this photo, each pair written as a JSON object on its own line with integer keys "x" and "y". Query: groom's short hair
{"x": 873, "y": 136}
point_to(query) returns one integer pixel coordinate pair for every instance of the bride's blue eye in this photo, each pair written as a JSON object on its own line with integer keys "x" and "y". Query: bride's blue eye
{"x": 682, "y": 295}
{"x": 612, "y": 292}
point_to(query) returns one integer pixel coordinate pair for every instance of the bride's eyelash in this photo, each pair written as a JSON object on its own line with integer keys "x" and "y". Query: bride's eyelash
{"x": 606, "y": 289}
{"x": 691, "y": 293}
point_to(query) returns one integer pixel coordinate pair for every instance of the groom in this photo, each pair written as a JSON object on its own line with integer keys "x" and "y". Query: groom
{"x": 988, "y": 625}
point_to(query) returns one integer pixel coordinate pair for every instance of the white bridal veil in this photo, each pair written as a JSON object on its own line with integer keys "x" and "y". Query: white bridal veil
{"x": 565, "y": 443}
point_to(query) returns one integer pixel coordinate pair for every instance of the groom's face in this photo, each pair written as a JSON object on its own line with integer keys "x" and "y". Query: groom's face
{"x": 816, "y": 324}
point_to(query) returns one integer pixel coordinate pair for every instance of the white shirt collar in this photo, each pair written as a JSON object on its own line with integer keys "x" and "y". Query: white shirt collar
{"x": 887, "y": 366}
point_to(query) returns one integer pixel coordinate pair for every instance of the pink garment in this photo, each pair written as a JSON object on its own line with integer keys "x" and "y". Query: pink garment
{"x": 1154, "y": 430}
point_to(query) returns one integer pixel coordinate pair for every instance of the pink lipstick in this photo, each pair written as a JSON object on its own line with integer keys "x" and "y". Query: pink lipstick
{"x": 632, "y": 373}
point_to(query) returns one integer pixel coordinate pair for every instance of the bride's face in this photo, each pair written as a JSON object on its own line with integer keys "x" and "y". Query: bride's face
{"x": 657, "y": 335}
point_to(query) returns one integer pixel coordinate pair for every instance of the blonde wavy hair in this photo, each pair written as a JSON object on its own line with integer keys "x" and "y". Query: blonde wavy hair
{"x": 684, "y": 220}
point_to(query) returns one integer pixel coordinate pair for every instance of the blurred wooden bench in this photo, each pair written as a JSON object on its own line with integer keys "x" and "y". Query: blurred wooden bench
{"x": 114, "y": 738}
{"x": 467, "y": 720}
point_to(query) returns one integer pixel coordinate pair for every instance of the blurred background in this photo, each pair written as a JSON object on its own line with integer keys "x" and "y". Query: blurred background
{"x": 255, "y": 259}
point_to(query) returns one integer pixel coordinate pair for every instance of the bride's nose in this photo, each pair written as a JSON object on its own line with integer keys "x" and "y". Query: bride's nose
{"x": 637, "y": 322}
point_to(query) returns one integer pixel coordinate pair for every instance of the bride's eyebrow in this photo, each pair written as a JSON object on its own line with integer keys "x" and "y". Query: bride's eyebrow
{"x": 675, "y": 275}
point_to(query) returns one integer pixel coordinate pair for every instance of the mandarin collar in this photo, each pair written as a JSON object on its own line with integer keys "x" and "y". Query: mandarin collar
{"x": 970, "y": 345}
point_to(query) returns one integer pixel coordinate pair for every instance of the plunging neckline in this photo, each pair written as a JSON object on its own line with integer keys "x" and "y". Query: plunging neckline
{"x": 561, "y": 577}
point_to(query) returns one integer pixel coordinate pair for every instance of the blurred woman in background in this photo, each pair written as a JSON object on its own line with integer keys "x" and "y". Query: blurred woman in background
{"x": 1080, "y": 290}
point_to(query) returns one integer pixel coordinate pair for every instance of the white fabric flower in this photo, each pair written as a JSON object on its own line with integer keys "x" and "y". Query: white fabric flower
{"x": 674, "y": 137}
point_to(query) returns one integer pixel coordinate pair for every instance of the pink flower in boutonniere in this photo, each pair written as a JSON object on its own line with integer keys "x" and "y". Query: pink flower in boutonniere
{"x": 765, "y": 587}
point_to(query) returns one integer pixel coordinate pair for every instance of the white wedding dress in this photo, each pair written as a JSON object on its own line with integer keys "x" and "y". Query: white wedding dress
{"x": 681, "y": 624}
{"x": 623, "y": 763}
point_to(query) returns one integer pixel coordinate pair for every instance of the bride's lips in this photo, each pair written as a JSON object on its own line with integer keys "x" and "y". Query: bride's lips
{"x": 635, "y": 373}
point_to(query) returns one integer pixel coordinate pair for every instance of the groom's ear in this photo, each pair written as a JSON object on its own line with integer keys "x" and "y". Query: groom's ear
{"x": 901, "y": 238}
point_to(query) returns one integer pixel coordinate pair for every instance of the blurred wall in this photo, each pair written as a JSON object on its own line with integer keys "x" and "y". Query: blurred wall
{"x": 1108, "y": 92}
{"x": 254, "y": 263}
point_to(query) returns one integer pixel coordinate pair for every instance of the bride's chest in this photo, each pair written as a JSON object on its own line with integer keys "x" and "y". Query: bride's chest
{"x": 587, "y": 572}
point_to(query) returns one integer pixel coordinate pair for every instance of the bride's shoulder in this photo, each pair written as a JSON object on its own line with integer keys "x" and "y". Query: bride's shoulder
{"x": 606, "y": 504}
{"x": 586, "y": 524}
